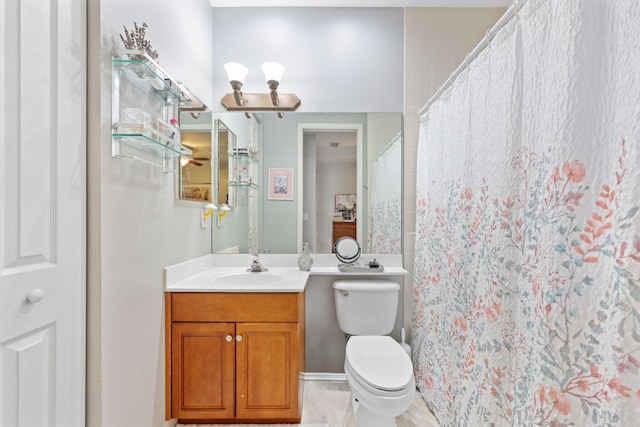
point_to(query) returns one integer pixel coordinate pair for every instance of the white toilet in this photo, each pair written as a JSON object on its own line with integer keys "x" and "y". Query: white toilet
{"x": 378, "y": 369}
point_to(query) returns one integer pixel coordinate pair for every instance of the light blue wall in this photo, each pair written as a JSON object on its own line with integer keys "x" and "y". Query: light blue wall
{"x": 336, "y": 60}
{"x": 280, "y": 142}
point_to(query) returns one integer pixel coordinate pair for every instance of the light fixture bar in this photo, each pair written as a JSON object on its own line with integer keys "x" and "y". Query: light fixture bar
{"x": 261, "y": 102}
{"x": 273, "y": 101}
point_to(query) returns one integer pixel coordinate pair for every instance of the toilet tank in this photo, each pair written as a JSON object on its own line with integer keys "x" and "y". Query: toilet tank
{"x": 366, "y": 307}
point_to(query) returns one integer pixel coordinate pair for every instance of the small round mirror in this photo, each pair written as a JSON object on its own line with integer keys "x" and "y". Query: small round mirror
{"x": 347, "y": 249}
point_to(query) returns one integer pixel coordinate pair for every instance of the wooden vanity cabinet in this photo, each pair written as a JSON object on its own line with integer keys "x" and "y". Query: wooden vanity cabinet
{"x": 234, "y": 356}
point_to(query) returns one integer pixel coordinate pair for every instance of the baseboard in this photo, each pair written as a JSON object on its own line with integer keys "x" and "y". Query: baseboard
{"x": 323, "y": 376}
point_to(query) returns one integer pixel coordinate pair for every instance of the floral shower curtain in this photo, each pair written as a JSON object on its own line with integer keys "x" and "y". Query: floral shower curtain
{"x": 385, "y": 217}
{"x": 527, "y": 268}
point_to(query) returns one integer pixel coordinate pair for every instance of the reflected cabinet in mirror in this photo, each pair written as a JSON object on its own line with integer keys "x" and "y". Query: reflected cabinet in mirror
{"x": 317, "y": 177}
{"x": 194, "y": 179}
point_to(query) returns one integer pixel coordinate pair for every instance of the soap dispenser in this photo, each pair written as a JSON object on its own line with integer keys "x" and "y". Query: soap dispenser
{"x": 304, "y": 260}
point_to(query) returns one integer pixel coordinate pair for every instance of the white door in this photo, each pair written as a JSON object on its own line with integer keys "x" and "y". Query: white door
{"x": 42, "y": 212}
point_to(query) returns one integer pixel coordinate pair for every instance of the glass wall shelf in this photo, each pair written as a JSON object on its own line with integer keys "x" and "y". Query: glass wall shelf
{"x": 244, "y": 154}
{"x": 151, "y": 74}
{"x": 249, "y": 185}
{"x": 244, "y": 166}
{"x": 144, "y": 99}
{"x": 149, "y": 138}
{"x": 137, "y": 141}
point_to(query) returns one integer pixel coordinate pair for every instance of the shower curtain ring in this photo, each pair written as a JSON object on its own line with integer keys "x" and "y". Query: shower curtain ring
{"x": 487, "y": 37}
{"x": 466, "y": 60}
{"x": 515, "y": 9}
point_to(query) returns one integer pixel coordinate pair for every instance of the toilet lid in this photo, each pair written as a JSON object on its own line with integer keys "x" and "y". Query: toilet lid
{"x": 379, "y": 361}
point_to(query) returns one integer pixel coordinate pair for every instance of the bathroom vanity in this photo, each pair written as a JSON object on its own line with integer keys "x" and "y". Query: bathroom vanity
{"x": 235, "y": 346}
{"x": 235, "y": 356}
{"x": 236, "y": 341}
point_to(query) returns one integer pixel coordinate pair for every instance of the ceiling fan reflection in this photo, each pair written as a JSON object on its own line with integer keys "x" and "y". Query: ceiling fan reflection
{"x": 196, "y": 161}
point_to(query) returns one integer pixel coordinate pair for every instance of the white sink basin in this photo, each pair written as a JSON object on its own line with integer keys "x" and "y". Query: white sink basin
{"x": 240, "y": 280}
{"x": 249, "y": 279}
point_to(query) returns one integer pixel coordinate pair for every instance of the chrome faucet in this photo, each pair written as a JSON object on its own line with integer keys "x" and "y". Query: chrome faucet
{"x": 256, "y": 266}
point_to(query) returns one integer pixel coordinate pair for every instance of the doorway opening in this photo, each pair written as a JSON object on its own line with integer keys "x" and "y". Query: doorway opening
{"x": 330, "y": 155}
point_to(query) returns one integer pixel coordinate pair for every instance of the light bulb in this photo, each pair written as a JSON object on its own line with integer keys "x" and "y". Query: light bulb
{"x": 272, "y": 71}
{"x": 236, "y": 72}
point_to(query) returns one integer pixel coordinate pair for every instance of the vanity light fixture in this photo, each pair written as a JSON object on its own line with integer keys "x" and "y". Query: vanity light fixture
{"x": 237, "y": 101}
{"x": 273, "y": 74}
{"x": 223, "y": 211}
{"x": 207, "y": 211}
{"x": 236, "y": 74}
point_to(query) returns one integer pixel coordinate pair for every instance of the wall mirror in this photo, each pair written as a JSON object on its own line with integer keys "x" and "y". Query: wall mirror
{"x": 195, "y": 171}
{"x": 345, "y": 178}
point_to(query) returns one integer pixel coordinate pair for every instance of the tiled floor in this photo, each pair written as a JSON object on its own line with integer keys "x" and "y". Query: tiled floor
{"x": 329, "y": 402}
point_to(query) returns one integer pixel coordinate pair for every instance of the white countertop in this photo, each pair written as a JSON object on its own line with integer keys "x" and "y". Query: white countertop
{"x": 227, "y": 273}
{"x": 237, "y": 279}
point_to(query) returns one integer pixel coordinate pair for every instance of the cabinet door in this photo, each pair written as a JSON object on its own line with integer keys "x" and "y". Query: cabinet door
{"x": 202, "y": 370}
{"x": 267, "y": 370}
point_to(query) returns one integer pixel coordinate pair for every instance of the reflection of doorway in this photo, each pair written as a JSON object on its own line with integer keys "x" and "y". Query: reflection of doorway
{"x": 330, "y": 156}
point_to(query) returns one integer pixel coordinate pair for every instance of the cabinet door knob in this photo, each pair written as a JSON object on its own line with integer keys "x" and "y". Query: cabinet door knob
{"x": 238, "y": 338}
{"x": 35, "y": 296}
{"x": 228, "y": 338}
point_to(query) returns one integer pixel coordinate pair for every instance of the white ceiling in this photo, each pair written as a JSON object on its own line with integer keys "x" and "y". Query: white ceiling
{"x": 361, "y": 3}
{"x": 344, "y": 152}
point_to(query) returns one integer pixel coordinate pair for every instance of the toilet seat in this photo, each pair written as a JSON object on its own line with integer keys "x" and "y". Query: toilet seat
{"x": 379, "y": 364}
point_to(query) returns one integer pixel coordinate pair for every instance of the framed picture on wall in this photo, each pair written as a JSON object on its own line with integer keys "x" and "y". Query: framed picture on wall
{"x": 280, "y": 184}
{"x": 346, "y": 204}
{"x": 199, "y": 192}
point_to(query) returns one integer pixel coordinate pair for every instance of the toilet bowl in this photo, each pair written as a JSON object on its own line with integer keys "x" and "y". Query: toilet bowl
{"x": 380, "y": 376}
{"x": 378, "y": 369}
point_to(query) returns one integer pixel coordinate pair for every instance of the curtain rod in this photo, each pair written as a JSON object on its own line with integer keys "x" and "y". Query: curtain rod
{"x": 510, "y": 13}
{"x": 390, "y": 144}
